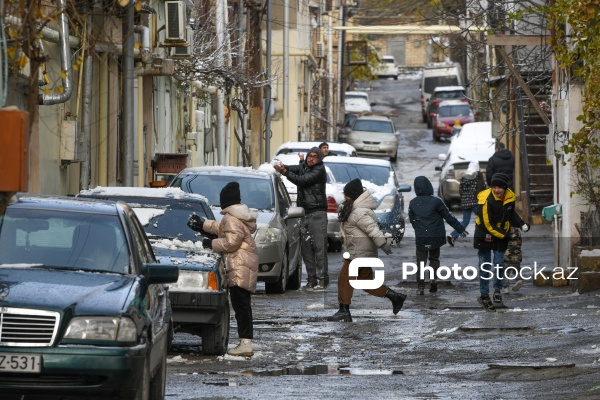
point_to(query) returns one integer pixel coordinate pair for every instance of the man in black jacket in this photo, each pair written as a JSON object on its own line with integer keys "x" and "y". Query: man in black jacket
{"x": 501, "y": 161}
{"x": 427, "y": 214}
{"x": 310, "y": 177}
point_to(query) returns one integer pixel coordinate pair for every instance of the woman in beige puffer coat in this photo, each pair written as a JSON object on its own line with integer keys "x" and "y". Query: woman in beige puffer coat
{"x": 362, "y": 238}
{"x": 237, "y": 245}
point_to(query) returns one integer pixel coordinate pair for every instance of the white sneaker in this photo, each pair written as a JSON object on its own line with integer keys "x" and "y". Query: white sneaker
{"x": 244, "y": 349}
{"x": 505, "y": 290}
{"x": 518, "y": 285}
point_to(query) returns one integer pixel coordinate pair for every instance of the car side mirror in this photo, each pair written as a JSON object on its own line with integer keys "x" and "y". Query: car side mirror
{"x": 404, "y": 187}
{"x": 397, "y": 133}
{"x": 160, "y": 273}
{"x": 438, "y": 167}
{"x": 295, "y": 212}
{"x": 373, "y": 104}
{"x": 442, "y": 157}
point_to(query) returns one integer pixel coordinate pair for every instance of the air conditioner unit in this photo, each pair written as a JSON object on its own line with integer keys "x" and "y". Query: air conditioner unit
{"x": 176, "y": 12}
{"x": 186, "y": 49}
{"x": 320, "y": 49}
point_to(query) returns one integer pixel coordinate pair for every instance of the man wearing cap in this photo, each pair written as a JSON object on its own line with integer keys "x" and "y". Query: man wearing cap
{"x": 310, "y": 177}
{"x": 495, "y": 215}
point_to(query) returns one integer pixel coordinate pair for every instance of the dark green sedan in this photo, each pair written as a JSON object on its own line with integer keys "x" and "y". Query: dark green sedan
{"x": 83, "y": 307}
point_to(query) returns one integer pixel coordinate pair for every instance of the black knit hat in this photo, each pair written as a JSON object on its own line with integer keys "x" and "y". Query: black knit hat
{"x": 353, "y": 189}
{"x": 230, "y": 195}
{"x": 501, "y": 180}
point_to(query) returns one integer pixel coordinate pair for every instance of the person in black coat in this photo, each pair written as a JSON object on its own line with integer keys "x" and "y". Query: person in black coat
{"x": 310, "y": 177}
{"x": 501, "y": 161}
{"x": 427, "y": 214}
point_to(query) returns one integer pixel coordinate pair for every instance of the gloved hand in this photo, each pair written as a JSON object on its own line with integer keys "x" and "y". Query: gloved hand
{"x": 207, "y": 243}
{"x": 525, "y": 227}
{"x": 196, "y": 222}
{"x": 387, "y": 248}
{"x": 464, "y": 234}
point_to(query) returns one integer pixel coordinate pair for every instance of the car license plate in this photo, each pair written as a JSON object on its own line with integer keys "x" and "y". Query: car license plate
{"x": 371, "y": 148}
{"x": 20, "y": 363}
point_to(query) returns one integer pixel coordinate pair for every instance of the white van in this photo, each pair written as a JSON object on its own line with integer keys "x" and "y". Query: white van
{"x": 438, "y": 74}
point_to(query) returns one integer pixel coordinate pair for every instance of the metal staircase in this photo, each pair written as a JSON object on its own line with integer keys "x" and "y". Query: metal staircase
{"x": 537, "y": 175}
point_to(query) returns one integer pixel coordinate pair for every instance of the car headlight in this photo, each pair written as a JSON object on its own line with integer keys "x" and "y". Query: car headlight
{"x": 193, "y": 282}
{"x": 388, "y": 143}
{"x": 387, "y": 204}
{"x": 449, "y": 172}
{"x": 102, "y": 328}
{"x": 440, "y": 124}
{"x": 266, "y": 235}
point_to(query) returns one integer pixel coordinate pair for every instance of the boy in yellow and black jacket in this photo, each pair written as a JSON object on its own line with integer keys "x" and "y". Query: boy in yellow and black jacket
{"x": 495, "y": 216}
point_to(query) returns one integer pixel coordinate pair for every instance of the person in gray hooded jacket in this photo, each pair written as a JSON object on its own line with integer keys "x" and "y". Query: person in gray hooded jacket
{"x": 310, "y": 177}
{"x": 362, "y": 238}
{"x": 427, "y": 214}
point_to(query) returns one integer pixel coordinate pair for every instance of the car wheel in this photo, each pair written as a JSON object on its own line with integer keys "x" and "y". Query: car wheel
{"x": 435, "y": 138}
{"x": 296, "y": 278}
{"x": 399, "y": 234}
{"x": 215, "y": 338}
{"x": 396, "y": 77}
{"x": 158, "y": 382}
{"x": 279, "y": 286}
{"x": 395, "y": 158}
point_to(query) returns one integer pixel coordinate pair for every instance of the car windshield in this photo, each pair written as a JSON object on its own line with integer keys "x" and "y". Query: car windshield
{"x": 60, "y": 239}
{"x": 344, "y": 173}
{"x": 448, "y": 111}
{"x": 355, "y": 96}
{"x": 304, "y": 150}
{"x": 364, "y": 125}
{"x": 254, "y": 192}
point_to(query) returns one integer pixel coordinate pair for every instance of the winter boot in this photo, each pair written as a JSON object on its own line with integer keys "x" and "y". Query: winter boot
{"x": 343, "y": 314}
{"x": 244, "y": 349}
{"x": 433, "y": 287}
{"x": 397, "y": 300}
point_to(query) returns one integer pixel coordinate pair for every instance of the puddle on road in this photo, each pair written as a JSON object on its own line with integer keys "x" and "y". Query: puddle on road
{"x": 320, "y": 370}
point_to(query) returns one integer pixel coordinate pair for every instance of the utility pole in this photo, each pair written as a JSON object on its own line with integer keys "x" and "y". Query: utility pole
{"x": 253, "y": 70}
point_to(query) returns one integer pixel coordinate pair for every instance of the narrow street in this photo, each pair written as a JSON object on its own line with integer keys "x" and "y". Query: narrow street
{"x": 440, "y": 346}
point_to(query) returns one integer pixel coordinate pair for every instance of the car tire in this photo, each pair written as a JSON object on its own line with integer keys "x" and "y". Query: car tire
{"x": 399, "y": 234}
{"x": 215, "y": 338}
{"x": 158, "y": 382}
{"x": 396, "y": 77}
{"x": 295, "y": 280}
{"x": 394, "y": 159}
{"x": 435, "y": 138}
{"x": 279, "y": 286}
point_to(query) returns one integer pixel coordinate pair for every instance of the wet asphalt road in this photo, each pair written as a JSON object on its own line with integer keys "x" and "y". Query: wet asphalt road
{"x": 545, "y": 345}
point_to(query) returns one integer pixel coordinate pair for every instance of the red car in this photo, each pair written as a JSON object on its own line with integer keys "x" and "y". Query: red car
{"x": 440, "y": 94}
{"x": 450, "y": 111}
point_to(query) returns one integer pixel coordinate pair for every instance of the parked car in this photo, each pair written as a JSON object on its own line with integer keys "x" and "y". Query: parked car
{"x": 379, "y": 178}
{"x": 456, "y": 162}
{"x": 450, "y": 111}
{"x": 278, "y": 235}
{"x": 83, "y": 306}
{"x": 374, "y": 135}
{"x": 440, "y": 94}
{"x": 387, "y": 68}
{"x": 338, "y": 149}
{"x": 199, "y": 298}
{"x": 471, "y": 133}
{"x": 334, "y": 198}
{"x": 357, "y": 102}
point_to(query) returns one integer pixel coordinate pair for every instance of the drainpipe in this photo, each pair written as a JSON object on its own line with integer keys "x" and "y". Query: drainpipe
{"x": 220, "y": 95}
{"x": 86, "y": 114}
{"x": 65, "y": 61}
{"x": 268, "y": 96}
{"x": 128, "y": 109}
{"x": 286, "y": 68}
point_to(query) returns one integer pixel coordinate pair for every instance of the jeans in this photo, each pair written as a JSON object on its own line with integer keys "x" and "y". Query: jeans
{"x": 487, "y": 271}
{"x": 314, "y": 246}
{"x": 465, "y": 220}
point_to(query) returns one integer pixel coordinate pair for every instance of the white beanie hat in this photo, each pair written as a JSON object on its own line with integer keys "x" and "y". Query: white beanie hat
{"x": 473, "y": 166}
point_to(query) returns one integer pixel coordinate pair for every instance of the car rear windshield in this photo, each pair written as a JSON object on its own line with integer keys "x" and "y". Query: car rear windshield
{"x": 60, "y": 239}
{"x": 254, "y": 192}
{"x": 344, "y": 173}
{"x": 458, "y": 94}
{"x": 297, "y": 151}
{"x": 458, "y": 110}
{"x": 373, "y": 126}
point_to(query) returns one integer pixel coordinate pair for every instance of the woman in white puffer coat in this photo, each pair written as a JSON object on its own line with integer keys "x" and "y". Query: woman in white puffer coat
{"x": 362, "y": 238}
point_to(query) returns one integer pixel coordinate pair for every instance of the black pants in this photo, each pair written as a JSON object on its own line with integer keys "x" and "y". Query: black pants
{"x": 434, "y": 262}
{"x": 242, "y": 307}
